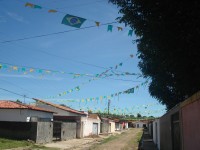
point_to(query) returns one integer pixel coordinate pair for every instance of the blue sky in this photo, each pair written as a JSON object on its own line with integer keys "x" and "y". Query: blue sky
{"x": 70, "y": 52}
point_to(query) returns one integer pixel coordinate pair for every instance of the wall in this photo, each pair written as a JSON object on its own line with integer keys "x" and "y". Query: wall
{"x": 68, "y": 130}
{"x": 20, "y": 115}
{"x": 88, "y": 126}
{"x": 156, "y": 133}
{"x": 104, "y": 126}
{"x": 139, "y": 124}
{"x": 165, "y": 129}
{"x": 44, "y": 132}
{"x": 112, "y": 126}
{"x": 190, "y": 110}
{"x": 117, "y": 126}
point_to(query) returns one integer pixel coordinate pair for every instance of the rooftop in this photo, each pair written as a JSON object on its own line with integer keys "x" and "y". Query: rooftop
{"x": 5, "y": 104}
{"x": 60, "y": 107}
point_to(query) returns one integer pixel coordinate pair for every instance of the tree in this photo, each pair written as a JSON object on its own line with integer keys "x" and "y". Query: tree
{"x": 168, "y": 45}
{"x": 139, "y": 115}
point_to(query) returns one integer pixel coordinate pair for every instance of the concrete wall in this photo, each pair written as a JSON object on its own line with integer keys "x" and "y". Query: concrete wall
{"x": 40, "y": 132}
{"x": 88, "y": 126}
{"x": 165, "y": 129}
{"x": 68, "y": 130}
{"x": 44, "y": 132}
{"x": 117, "y": 127}
{"x": 104, "y": 126}
{"x": 22, "y": 115}
{"x": 191, "y": 123}
{"x": 156, "y": 133}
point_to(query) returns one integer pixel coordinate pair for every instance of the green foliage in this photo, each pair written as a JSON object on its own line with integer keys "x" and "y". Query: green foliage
{"x": 168, "y": 45}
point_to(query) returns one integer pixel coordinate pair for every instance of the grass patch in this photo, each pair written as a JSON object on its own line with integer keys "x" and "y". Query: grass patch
{"x": 8, "y": 144}
{"x": 134, "y": 143}
{"x": 110, "y": 138}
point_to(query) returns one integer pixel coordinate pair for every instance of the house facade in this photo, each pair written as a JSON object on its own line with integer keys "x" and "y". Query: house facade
{"x": 20, "y": 121}
{"x": 68, "y": 123}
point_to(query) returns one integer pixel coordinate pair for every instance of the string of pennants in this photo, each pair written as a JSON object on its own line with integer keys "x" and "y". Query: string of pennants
{"x": 99, "y": 98}
{"x": 27, "y": 70}
{"x": 75, "y": 21}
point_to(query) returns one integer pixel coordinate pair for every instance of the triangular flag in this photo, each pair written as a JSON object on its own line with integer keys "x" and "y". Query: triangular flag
{"x": 130, "y": 32}
{"x": 29, "y": 4}
{"x": 52, "y": 11}
{"x": 0, "y": 66}
{"x": 31, "y": 70}
{"x": 120, "y": 64}
{"x": 15, "y": 67}
{"x": 97, "y": 23}
{"x": 73, "y": 21}
{"x": 110, "y": 28}
{"x": 131, "y": 55}
{"x": 119, "y": 28}
{"x": 37, "y": 6}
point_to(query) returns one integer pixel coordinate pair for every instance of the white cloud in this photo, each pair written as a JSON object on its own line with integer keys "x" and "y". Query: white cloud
{"x": 16, "y": 17}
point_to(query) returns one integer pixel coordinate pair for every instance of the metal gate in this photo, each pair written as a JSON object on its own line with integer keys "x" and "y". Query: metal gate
{"x": 57, "y": 130}
{"x": 95, "y": 129}
{"x": 176, "y": 141}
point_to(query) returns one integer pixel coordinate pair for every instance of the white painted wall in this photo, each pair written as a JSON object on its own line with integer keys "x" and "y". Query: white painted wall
{"x": 88, "y": 125}
{"x": 139, "y": 124}
{"x": 112, "y": 123}
{"x": 21, "y": 115}
{"x": 156, "y": 132}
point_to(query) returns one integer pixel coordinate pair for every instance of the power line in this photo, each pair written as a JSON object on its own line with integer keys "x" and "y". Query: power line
{"x": 55, "y": 33}
{"x": 24, "y": 96}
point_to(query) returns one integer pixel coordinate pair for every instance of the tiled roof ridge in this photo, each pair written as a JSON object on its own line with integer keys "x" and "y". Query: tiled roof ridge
{"x": 59, "y": 106}
{"x": 22, "y": 106}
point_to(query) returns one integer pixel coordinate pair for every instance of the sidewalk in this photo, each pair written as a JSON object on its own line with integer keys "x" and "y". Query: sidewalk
{"x": 147, "y": 142}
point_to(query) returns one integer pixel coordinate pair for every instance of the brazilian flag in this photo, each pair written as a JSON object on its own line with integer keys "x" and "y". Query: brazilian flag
{"x": 73, "y": 21}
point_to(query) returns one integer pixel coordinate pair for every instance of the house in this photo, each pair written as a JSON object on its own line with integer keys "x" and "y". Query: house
{"x": 140, "y": 124}
{"x": 118, "y": 125}
{"x": 156, "y": 132}
{"x": 180, "y": 126}
{"x": 107, "y": 125}
{"x": 91, "y": 125}
{"x": 20, "y": 121}
{"x": 68, "y": 123}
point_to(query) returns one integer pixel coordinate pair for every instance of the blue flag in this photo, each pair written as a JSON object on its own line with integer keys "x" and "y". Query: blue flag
{"x": 73, "y": 21}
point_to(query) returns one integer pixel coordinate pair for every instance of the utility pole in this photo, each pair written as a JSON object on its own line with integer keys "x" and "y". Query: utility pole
{"x": 108, "y": 106}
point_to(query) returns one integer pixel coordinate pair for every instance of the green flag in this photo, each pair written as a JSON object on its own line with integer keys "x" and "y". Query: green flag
{"x": 109, "y": 28}
{"x": 130, "y": 32}
{"x": 73, "y": 21}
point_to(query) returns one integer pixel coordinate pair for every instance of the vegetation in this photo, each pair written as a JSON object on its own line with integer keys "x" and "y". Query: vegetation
{"x": 124, "y": 117}
{"x": 8, "y": 144}
{"x": 168, "y": 45}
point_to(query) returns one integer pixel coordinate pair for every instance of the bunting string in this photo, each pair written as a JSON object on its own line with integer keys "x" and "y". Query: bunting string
{"x": 75, "y": 21}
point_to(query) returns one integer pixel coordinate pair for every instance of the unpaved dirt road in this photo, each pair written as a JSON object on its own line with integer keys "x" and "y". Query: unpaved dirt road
{"x": 124, "y": 141}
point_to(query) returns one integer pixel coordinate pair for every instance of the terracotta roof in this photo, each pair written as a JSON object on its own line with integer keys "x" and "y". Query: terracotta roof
{"x": 60, "y": 107}
{"x": 4, "y": 104}
{"x": 93, "y": 116}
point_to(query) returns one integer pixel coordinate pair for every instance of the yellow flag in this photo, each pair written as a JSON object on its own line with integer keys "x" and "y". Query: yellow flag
{"x": 97, "y": 24}
{"x": 119, "y": 28}
{"x": 52, "y": 11}
{"x": 29, "y": 4}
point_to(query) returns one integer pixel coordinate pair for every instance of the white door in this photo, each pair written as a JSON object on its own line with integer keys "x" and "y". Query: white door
{"x": 95, "y": 129}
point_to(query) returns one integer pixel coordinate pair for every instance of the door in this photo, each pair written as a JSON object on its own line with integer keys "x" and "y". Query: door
{"x": 95, "y": 129}
{"x": 176, "y": 141}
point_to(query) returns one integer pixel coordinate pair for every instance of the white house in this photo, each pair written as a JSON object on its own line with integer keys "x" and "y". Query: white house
{"x": 140, "y": 124}
{"x": 91, "y": 125}
{"x": 13, "y": 111}
{"x": 156, "y": 132}
{"x": 20, "y": 121}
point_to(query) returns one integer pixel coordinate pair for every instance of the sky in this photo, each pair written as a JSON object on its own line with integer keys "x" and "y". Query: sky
{"x": 48, "y": 67}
